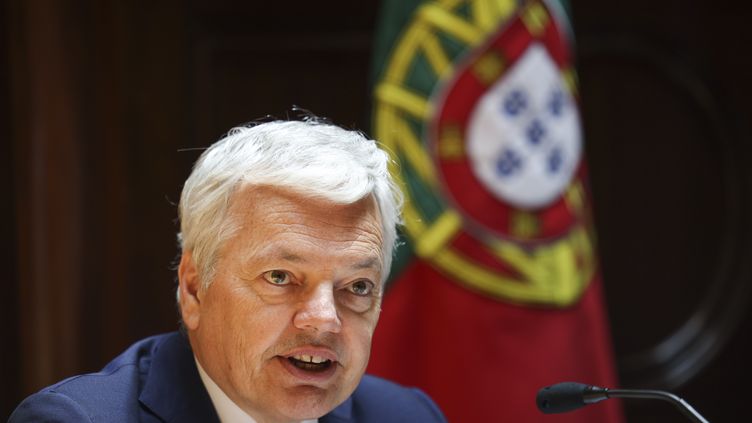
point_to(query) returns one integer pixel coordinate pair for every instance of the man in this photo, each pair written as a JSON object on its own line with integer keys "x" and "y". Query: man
{"x": 287, "y": 233}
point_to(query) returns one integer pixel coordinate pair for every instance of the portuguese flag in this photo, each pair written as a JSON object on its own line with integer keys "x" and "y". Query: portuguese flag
{"x": 495, "y": 291}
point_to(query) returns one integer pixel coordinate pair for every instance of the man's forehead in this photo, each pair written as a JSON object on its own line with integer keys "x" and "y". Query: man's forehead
{"x": 365, "y": 260}
{"x": 250, "y": 196}
{"x": 279, "y": 224}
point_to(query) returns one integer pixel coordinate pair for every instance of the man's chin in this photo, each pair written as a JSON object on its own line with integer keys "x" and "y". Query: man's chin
{"x": 309, "y": 402}
{"x": 309, "y": 395}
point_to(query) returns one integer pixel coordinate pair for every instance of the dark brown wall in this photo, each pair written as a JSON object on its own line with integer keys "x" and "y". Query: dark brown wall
{"x": 8, "y": 258}
{"x": 103, "y": 103}
{"x": 665, "y": 99}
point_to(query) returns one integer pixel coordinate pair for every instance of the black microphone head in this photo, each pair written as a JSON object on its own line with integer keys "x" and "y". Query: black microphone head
{"x": 562, "y": 397}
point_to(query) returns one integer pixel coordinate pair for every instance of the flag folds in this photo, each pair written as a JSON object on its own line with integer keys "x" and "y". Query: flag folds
{"x": 496, "y": 291}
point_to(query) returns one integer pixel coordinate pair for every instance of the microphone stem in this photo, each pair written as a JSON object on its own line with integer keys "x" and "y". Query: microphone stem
{"x": 682, "y": 405}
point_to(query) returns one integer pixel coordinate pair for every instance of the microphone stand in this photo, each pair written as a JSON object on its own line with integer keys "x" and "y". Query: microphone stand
{"x": 595, "y": 394}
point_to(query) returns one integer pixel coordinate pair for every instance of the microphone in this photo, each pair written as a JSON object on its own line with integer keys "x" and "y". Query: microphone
{"x": 568, "y": 396}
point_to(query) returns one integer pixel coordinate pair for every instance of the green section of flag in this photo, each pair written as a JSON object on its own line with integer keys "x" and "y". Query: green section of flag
{"x": 393, "y": 19}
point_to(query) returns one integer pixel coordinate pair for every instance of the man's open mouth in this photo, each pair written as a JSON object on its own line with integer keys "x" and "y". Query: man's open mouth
{"x": 310, "y": 363}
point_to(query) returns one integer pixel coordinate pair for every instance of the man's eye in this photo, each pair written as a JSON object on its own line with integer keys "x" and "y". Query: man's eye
{"x": 277, "y": 277}
{"x": 361, "y": 288}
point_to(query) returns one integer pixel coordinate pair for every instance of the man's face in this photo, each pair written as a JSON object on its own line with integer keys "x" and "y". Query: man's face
{"x": 285, "y": 326}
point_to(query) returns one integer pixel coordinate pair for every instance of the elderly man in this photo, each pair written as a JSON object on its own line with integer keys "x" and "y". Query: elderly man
{"x": 287, "y": 232}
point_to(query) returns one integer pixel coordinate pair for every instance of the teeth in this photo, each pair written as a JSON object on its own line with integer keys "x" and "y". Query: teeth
{"x": 310, "y": 358}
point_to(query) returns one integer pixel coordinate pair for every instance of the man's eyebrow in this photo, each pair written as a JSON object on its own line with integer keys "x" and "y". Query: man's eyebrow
{"x": 368, "y": 263}
{"x": 284, "y": 255}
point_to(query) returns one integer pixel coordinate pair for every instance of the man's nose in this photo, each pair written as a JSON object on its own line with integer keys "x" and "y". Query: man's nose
{"x": 318, "y": 310}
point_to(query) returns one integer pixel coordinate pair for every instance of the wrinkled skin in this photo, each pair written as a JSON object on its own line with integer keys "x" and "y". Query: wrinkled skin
{"x": 299, "y": 276}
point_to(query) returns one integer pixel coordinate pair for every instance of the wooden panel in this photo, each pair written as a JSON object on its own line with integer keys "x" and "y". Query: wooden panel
{"x": 242, "y": 79}
{"x": 255, "y": 60}
{"x": 98, "y": 117}
{"x": 47, "y": 130}
{"x": 155, "y": 125}
{"x": 9, "y": 352}
{"x": 106, "y": 192}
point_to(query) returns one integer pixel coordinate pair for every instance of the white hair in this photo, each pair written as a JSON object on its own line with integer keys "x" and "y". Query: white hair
{"x": 312, "y": 158}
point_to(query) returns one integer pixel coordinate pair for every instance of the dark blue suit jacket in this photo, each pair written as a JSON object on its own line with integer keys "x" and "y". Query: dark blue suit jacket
{"x": 156, "y": 380}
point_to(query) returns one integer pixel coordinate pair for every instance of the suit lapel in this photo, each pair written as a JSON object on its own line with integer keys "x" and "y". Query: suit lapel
{"x": 173, "y": 389}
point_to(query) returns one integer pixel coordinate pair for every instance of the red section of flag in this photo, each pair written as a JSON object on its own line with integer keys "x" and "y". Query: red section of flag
{"x": 483, "y": 360}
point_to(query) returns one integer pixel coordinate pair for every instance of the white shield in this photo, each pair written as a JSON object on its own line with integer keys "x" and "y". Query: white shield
{"x": 524, "y": 136}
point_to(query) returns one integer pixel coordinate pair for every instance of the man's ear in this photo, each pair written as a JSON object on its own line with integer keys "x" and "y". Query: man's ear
{"x": 190, "y": 291}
